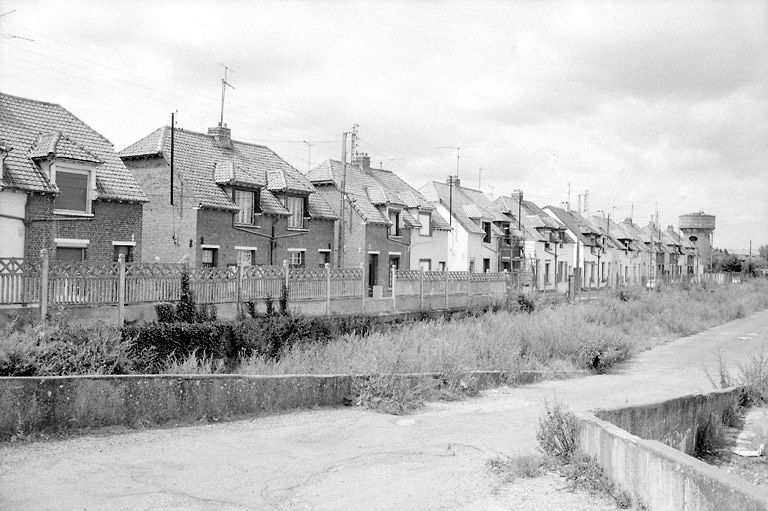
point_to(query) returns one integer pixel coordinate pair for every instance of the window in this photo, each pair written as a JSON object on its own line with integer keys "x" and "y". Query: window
{"x": 394, "y": 218}
{"x": 393, "y": 261}
{"x": 486, "y": 265}
{"x": 246, "y": 202}
{"x": 126, "y": 250}
{"x": 246, "y": 257}
{"x": 71, "y": 254}
{"x": 441, "y": 266}
{"x": 425, "y": 219}
{"x": 209, "y": 257}
{"x": 546, "y": 273}
{"x": 296, "y": 258}
{"x": 73, "y": 191}
{"x": 295, "y": 206}
{"x": 472, "y": 266}
{"x": 324, "y": 256}
{"x": 487, "y": 229}
{"x": 425, "y": 264}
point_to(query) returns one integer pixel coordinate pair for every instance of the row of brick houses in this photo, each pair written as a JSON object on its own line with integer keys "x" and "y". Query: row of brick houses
{"x": 212, "y": 200}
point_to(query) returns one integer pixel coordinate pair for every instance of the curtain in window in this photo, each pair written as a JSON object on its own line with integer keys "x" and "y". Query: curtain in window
{"x": 245, "y": 201}
{"x": 295, "y": 206}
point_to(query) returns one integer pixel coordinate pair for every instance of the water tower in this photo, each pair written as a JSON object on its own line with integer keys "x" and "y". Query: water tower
{"x": 698, "y": 228}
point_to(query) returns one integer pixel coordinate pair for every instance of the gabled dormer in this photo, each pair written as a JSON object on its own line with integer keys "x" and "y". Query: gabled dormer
{"x": 70, "y": 168}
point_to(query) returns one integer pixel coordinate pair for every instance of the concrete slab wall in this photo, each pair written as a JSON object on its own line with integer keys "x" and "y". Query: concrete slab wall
{"x": 661, "y": 477}
{"x": 643, "y": 449}
{"x": 59, "y": 404}
{"x": 673, "y": 422}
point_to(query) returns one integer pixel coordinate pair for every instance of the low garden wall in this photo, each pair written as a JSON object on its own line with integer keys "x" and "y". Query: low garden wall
{"x": 58, "y": 404}
{"x": 659, "y": 475}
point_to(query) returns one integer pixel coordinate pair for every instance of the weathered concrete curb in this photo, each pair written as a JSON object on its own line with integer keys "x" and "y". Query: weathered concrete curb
{"x": 61, "y": 404}
{"x": 661, "y": 476}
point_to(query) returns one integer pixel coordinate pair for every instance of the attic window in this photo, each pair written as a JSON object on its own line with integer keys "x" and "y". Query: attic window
{"x": 394, "y": 218}
{"x": 487, "y": 229}
{"x": 425, "y": 219}
{"x": 295, "y": 206}
{"x": 76, "y": 185}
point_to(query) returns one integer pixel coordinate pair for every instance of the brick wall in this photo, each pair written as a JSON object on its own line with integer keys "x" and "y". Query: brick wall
{"x": 111, "y": 221}
{"x": 168, "y": 231}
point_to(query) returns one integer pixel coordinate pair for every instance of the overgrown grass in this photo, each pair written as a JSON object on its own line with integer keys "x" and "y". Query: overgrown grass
{"x": 593, "y": 335}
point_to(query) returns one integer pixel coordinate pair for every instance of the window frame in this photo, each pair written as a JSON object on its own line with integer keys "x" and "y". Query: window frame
{"x": 302, "y": 258}
{"x": 488, "y": 231}
{"x": 394, "y": 225}
{"x": 58, "y": 167}
{"x": 429, "y": 223}
{"x": 239, "y": 214}
{"x": 302, "y": 213}
{"x": 214, "y": 251}
{"x": 323, "y": 256}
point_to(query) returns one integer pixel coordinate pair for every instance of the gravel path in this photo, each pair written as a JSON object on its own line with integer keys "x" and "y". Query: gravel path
{"x": 352, "y": 458}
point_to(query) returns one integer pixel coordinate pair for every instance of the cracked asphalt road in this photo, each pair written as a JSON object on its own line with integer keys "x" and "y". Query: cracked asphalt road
{"x": 352, "y": 458}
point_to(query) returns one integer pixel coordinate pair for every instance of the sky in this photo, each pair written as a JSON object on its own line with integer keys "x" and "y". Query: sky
{"x": 650, "y": 106}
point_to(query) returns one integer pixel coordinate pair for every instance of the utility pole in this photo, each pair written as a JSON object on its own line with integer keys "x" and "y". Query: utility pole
{"x": 342, "y": 199}
{"x": 586, "y": 199}
{"x": 479, "y": 178}
{"x": 450, "y": 200}
{"x": 569, "y": 197}
{"x": 578, "y": 204}
{"x": 173, "y": 128}
{"x": 224, "y": 85}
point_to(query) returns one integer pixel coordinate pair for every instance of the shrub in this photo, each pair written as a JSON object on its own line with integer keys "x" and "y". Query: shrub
{"x": 710, "y": 438}
{"x": 525, "y": 303}
{"x": 599, "y": 355}
{"x": 556, "y": 432}
{"x": 157, "y": 342}
{"x": 64, "y": 350}
{"x": 511, "y": 468}
{"x": 585, "y": 474}
{"x": 390, "y": 393}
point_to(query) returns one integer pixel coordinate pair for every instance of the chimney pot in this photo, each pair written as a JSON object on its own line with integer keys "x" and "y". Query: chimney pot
{"x": 222, "y": 136}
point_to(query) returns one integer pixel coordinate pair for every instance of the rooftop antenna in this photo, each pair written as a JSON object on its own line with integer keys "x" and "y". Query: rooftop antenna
{"x": 480, "y": 178}
{"x": 458, "y": 152}
{"x": 224, "y": 85}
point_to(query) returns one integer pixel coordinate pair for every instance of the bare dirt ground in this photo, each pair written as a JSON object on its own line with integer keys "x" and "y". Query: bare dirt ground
{"x": 353, "y": 458}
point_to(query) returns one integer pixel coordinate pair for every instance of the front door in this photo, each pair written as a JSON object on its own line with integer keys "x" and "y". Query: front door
{"x": 373, "y": 272}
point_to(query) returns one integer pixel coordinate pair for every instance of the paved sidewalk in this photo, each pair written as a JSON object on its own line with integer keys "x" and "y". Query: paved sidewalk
{"x": 352, "y": 458}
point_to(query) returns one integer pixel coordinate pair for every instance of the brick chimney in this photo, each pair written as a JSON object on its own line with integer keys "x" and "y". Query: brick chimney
{"x": 364, "y": 161}
{"x": 222, "y": 136}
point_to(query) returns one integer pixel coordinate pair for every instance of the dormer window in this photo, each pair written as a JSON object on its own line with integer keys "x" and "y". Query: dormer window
{"x": 394, "y": 218}
{"x": 295, "y": 206}
{"x": 487, "y": 230}
{"x": 76, "y": 189}
{"x": 425, "y": 219}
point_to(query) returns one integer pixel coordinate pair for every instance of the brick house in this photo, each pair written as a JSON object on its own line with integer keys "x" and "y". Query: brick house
{"x": 63, "y": 187}
{"x": 233, "y": 202}
{"x": 382, "y": 217}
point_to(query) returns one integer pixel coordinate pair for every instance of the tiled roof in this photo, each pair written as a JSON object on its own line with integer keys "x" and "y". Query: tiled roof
{"x": 203, "y": 165}
{"x": 573, "y": 223}
{"x": 57, "y": 144}
{"x": 34, "y": 129}
{"x": 357, "y": 188}
{"x": 464, "y": 209}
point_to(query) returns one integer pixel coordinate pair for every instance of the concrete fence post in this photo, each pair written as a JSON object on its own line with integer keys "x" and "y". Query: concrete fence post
{"x": 469, "y": 280}
{"x": 239, "y": 289}
{"x": 327, "y": 289}
{"x": 571, "y": 287}
{"x": 43, "y": 285}
{"x": 286, "y": 279}
{"x": 394, "y": 288}
{"x": 446, "y": 287}
{"x": 363, "y": 288}
{"x": 120, "y": 290}
{"x": 488, "y": 285}
{"x": 421, "y": 289}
